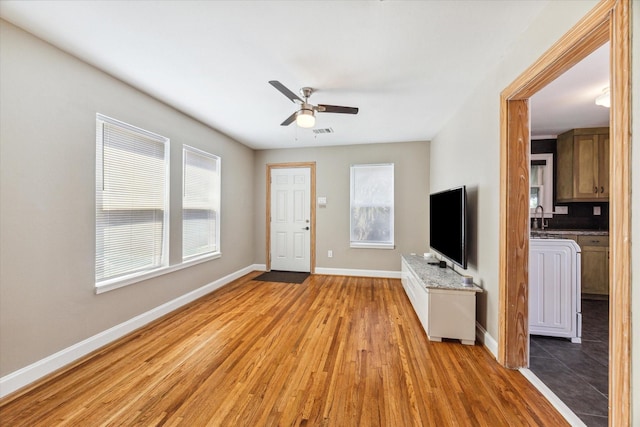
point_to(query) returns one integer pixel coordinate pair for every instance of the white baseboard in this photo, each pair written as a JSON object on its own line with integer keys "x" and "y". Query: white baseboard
{"x": 25, "y": 376}
{"x": 564, "y": 410}
{"x": 359, "y": 273}
{"x": 259, "y": 267}
{"x": 485, "y": 338}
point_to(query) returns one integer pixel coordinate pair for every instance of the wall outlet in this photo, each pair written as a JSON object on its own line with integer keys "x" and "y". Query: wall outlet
{"x": 330, "y": 253}
{"x": 596, "y": 210}
{"x": 563, "y": 210}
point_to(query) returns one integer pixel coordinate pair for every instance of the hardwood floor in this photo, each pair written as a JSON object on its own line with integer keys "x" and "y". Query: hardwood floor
{"x": 335, "y": 351}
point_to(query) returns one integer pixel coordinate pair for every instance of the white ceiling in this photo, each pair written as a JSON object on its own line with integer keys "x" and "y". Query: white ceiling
{"x": 407, "y": 65}
{"x": 569, "y": 101}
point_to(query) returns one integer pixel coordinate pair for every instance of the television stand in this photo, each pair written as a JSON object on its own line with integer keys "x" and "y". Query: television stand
{"x": 445, "y": 306}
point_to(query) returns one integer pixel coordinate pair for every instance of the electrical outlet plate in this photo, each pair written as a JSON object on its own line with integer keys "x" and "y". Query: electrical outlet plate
{"x": 330, "y": 253}
{"x": 562, "y": 210}
{"x": 596, "y": 210}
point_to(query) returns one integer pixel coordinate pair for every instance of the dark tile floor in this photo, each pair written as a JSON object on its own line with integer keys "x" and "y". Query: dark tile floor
{"x": 578, "y": 373}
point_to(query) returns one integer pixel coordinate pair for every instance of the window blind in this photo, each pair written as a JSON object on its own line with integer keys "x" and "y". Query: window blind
{"x": 200, "y": 203}
{"x": 372, "y": 206}
{"x": 131, "y": 199}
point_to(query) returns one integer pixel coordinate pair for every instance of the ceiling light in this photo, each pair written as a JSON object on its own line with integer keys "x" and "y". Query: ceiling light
{"x": 305, "y": 118}
{"x": 604, "y": 99}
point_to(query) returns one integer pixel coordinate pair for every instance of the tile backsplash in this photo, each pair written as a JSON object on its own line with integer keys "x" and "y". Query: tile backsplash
{"x": 581, "y": 217}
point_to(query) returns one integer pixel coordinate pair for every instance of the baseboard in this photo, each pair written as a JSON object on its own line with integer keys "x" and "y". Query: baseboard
{"x": 359, "y": 273}
{"x": 487, "y": 340}
{"x": 564, "y": 410}
{"x": 27, "y": 375}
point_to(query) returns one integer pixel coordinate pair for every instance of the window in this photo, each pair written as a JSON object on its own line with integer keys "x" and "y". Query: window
{"x": 372, "y": 206}
{"x": 132, "y": 168}
{"x": 200, "y": 203}
{"x": 541, "y": 183}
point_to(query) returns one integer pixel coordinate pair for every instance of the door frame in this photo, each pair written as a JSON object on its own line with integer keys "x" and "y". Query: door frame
{"x": 609, "y": 21}
{"x": 312, "y": 238}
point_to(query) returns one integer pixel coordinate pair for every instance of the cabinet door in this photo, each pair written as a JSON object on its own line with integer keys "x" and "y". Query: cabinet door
{"x": 553, "y": 292}
{"x": 595, "y": 270}
{"x": 603, "y": 166}
{"x": 564, "y": 167}
{"x": 585, "y": 167}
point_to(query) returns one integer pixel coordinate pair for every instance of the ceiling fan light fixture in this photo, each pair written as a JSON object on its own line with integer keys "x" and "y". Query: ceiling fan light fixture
{"x": 305, "y": 118}
{"x": 604, "y": 99}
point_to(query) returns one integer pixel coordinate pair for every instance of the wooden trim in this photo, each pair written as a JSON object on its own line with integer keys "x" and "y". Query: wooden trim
{"x": 609, "y": 20}
{"x": 514, "y": 239}
{"x": 312, "y": 167}
{"x": 620, "y": 219}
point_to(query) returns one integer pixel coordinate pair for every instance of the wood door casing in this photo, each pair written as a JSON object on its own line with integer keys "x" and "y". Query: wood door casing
{"x": 312, "y": 167}
{"x": 609, "y": 20}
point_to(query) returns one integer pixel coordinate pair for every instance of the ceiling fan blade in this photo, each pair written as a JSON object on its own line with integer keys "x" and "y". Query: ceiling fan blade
{"x": 289, "y": 120}
{"x": 286, "y": 92}
{"x": 336, "y": 109}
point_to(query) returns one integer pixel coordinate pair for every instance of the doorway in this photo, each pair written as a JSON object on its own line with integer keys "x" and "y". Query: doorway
{"x": 608, "y": 21}
{"x": 290, "y": 217}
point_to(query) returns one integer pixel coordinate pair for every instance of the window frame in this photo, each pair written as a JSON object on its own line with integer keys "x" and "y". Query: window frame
{"x": 369, "y": 244}
{"x": 547, "y": 190}
{"x": 138, "y": 275}
{"x": 218, "y": 251}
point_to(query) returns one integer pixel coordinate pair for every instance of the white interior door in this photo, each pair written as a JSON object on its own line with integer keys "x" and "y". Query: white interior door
{"x": 290, "y": 219}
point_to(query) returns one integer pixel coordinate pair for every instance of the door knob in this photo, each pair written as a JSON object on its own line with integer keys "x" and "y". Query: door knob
{"x": 305, "y": 228}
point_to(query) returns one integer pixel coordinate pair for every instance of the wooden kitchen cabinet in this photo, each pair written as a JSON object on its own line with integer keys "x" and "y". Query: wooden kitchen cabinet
{"x": 583, "y": 165}
{"x": 595, "y": 264}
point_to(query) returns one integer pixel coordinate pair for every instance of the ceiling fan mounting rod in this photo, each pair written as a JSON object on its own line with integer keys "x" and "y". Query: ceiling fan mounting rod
{"x": 306, "y": 92}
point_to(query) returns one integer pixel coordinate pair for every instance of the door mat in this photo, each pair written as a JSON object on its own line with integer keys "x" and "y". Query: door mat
{"x": 282, "y": 276}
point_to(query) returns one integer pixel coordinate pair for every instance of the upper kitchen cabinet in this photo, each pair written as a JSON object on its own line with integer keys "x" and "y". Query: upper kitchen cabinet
{"x": 583, "y": 165}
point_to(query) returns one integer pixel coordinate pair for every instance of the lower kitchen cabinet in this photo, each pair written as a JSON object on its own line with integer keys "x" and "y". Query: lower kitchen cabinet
{"x": 595, "y": 264}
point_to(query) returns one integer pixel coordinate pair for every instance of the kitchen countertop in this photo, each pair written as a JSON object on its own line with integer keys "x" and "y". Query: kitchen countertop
{"x": 561, "y": 233}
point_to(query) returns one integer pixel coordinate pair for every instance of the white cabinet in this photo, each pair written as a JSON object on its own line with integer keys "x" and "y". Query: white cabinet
{"x": 446, "y": 308}
{"x": 554, "y": 288}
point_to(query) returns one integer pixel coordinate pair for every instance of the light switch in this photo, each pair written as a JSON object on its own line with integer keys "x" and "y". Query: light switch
{"x": 322, "y": 201}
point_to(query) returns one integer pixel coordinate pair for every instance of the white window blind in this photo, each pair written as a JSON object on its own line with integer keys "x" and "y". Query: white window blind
{"x": 372, "y": 205}
{"x": 200, "y": 203}
{"x": 131, "y": 200}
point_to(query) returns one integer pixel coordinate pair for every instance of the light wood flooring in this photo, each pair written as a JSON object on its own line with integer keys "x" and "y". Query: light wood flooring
{"x": 333, "y": 351}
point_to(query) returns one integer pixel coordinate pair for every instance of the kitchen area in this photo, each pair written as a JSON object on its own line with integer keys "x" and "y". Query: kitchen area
{"x": 569, "y": 269}
{"x": 569, "y": 238}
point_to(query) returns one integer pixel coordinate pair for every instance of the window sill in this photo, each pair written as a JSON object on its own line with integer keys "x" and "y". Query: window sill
{"x": 120, "y": 282}
{"x": 355, "y": 245}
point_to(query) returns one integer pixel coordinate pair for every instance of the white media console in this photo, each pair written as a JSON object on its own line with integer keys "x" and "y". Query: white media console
{"x": 445, "y": 306}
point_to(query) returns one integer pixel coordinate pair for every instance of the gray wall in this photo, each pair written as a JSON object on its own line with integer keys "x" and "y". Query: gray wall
{"x": 332, "y": 222}
{"x": 47, "y": 202}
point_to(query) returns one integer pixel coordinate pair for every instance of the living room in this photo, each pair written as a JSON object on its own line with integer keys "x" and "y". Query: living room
{"x": 49, "y": 104}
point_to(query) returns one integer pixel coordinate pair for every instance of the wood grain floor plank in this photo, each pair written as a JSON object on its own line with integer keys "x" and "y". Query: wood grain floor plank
{"x": 333, "y": 351}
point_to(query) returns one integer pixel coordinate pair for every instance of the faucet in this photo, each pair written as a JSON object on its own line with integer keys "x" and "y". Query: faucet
{"x": 535, "y": 223}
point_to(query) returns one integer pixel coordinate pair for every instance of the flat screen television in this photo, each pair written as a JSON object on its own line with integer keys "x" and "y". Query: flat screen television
{"x": 448, "y": 224}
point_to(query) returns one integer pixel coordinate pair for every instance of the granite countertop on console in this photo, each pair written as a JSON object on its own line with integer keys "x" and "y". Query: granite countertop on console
{"x": 560, "y": 233}
{"x": 435, "y": 277}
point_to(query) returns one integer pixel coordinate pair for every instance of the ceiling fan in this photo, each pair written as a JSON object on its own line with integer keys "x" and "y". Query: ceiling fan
{"x": 305, "y": 117}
